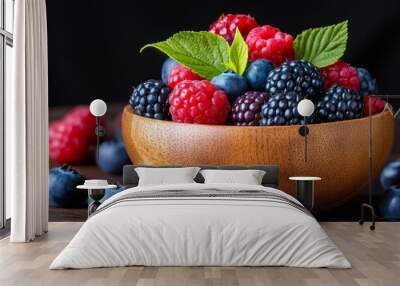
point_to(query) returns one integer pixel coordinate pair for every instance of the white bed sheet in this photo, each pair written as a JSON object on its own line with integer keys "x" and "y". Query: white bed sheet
{"x": 200, "y": 232}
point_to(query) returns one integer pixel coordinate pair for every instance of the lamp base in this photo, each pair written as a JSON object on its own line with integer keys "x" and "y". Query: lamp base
{"x": 372, "y": 210}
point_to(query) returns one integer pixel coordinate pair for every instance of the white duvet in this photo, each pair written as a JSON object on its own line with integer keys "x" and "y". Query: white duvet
{"x": 200, "y": 231}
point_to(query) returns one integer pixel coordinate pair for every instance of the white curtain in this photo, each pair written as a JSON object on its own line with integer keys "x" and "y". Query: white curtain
{"x": 27, "y": 123}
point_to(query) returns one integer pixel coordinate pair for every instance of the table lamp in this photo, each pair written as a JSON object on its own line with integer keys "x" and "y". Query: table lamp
{"x": 98, "y": 108}
{"x": 305, "y": 108}
{"x": 369, "y": 206}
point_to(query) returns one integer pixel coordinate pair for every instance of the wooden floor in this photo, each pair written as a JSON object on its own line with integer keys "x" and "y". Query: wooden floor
{"x": 375, "y": 257}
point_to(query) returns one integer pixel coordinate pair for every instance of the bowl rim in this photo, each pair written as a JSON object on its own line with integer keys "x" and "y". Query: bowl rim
{"x": 128, "y": 109}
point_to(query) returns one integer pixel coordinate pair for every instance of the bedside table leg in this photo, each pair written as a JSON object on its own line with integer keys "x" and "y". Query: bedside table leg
{"x": 96, "y": 196}
{"x": 305, "y": 193}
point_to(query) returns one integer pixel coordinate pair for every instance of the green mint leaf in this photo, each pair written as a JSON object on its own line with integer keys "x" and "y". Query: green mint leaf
{"x": 238, "y": 54}
{"x": 203, "y": 52}
{"x": 322, "y": 46}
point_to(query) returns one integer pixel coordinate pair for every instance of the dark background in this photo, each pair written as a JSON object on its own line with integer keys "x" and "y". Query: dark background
{"x": 94, "y": 45}
{"x": 94, "y": 49}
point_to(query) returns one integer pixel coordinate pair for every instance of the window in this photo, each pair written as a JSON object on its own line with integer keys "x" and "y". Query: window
{"x": 6, "y": 43}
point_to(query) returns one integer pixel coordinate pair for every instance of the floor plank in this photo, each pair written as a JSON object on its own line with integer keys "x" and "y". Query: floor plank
{"x": 375, "y": 257}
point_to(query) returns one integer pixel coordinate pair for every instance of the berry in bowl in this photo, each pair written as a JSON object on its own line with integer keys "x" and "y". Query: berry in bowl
{"x": 230, "y": 97}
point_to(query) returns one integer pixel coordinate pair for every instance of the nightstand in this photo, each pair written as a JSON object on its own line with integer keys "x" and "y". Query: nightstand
{"x": 305, "y": 190}
{"x": 96, "y": 190}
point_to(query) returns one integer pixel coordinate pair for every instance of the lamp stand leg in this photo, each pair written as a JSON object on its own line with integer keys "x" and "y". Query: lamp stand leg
{"x": 305, "y": 140}
{"x": 97, "y": 138}
{"x": 303, "y": 131}
{"x": 372, "y": 210}
{"x": 369, "y": 206}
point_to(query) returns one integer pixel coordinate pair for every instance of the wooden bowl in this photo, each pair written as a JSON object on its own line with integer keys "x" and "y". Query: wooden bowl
{"x": 337, "y": 152}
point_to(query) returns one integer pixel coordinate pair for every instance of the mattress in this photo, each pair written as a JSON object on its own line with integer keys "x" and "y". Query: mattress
{"x": 201, "y": 225}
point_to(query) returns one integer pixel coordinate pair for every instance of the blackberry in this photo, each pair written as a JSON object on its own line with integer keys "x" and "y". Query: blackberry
{"x": 247, "y": 107}
{"x": 150, "y": 99}
{"x": 281, "y": 109}
{"x": 301, "y": 77}
{"x": 339, "y": 103}
{"x": 367, "y": 82}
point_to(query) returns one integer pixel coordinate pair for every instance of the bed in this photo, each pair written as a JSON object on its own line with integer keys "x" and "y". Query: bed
{"x": 197, "y": 224}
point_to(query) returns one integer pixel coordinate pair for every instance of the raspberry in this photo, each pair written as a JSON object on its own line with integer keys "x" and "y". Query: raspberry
{"x": 180, "y": 73}
{"x": 226, "y": 26}
{"x": 198, "y": 101}
{"x": 246, "y": 109}
{"x": 341, "y": 73}
{"x": 68, "y": 143}
{"x": 80, "y": 116}
{"x": 270, "y": 43}
{"x": 378, "y": 105}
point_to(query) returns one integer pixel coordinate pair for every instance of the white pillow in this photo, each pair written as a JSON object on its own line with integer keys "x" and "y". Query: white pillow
{"x": 165, "y": 176}
{"x": 248, "y": 177}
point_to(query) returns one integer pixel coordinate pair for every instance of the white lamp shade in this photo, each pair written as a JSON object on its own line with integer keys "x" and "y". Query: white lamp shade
{"x": 305, "y": 107}
{"x": 98, "y": 107}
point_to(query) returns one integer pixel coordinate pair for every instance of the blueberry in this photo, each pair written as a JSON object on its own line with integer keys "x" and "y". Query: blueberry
{"x": 257, "y": 74}
{"x": 112, "y": 157}
{"x": 390, "y": 203}
{"x": 390, "y": 175}
{"x": 367, "y": 82}
{"x": 232, "y": 84}
{"x": 62, "y": 188}
{"x": 167, "y": 66}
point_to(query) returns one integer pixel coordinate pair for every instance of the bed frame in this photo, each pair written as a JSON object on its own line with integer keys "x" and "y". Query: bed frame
{"x": 271, "y": 177}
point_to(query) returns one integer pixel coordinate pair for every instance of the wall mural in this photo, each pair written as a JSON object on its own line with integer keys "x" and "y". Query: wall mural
{"x": 230, "y": 96}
